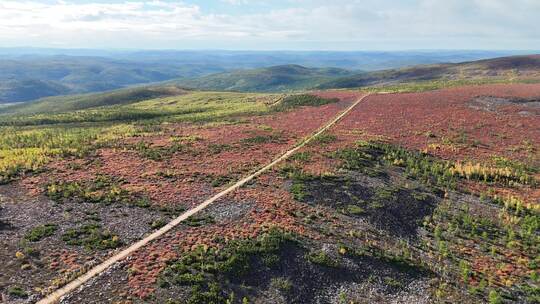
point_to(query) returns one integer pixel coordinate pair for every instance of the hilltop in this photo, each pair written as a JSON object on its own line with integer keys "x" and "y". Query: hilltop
{"x": 59, "y": 104}
{"x": 271, "y": 79}
{"x": 290, "y": 78}
{"x": 296, "y": 77}
{"x": 30, "y": 74}
{"x": 25, "y": 79}
{"x": 514, "y": 68}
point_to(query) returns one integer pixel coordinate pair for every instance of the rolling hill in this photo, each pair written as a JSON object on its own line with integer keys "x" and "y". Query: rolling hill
{"x": 515, "y": 67}
{"x": 12, "y": 90}
{"x": 272, "y": 79}
{"x": 59, "y": 104}
{"x": 231, "y": 60}
{"x": 25, "y": 79}
{"x": 29, "y": 73}
{"x": 295, "y": 77}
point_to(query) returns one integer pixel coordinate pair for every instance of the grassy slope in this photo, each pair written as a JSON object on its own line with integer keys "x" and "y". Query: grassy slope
{"x": 32, "y": 77}
{"x": 430, "y": 85}
{"x": 86, "y": 101}
{"x": 517, "y": 68}
{"x": 294, "y": 77}
{"x": 184, "y": 107}
{"x": 272, "y": 79}
{"x": 277, "y": 78}
{"x": 29, "y": 141}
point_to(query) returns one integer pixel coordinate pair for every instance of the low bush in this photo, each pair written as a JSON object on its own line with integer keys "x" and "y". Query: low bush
{"x": 40, "y": 232}
{"x": 354, "y": 210}
{"x": 92, "y": 237}
{"x": 194, "y": 221}
{"x": 281, "y": 284}
{"x": 367, "y": 155}
{"x": 102, "y": 189}
{"x": 505, "y": 175}
{"x": 322, "y": 258}
{"x": 294, "y": 101}
{"x": 18, "y": 292}
{"x": 159, "y": 153}
{"x": 262, "y": 139}
{"x": 205, "y": 269}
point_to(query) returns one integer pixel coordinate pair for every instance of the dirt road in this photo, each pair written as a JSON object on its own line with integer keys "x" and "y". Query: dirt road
{"x": 59, "y": 293}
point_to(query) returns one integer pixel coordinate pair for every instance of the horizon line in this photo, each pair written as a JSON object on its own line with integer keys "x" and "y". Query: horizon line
{"x": 270, "y": 50}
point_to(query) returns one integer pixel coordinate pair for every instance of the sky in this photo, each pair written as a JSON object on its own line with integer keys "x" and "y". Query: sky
{"x": 272, "y": 24}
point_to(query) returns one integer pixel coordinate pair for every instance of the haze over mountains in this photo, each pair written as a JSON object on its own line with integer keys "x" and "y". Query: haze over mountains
{"x": 30, "y": 74}
{"x": 514, "y": 67}
{"x": 32, "y": 77}
{"x": 286, "y": 78}
{"x": 271, "y": 79}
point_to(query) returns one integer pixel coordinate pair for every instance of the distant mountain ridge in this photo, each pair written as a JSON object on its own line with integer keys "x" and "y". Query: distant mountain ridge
{"x": 285, "y": 78}
{"x": 505, "y": 67}
{"x": 271, "y": 79}
{"x": 33, "y": 78}
{"x": 13, "y": 90}
{"x": 28, "y": 73}
{"x": 295, "y": 77}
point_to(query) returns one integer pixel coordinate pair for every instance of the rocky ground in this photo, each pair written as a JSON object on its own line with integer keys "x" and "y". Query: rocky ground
{"x": 412, "y": 198}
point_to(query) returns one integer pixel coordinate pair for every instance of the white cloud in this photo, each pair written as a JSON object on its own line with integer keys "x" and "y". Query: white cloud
{"x": 235, "y": 2}
{"x": 158, "y": 23}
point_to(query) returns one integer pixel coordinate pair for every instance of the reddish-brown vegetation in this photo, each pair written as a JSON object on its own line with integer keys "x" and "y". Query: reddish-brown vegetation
{"x": 210, "y": 152}
{"x": 269, "y": 206}
{"x": 442, "y": 123}
{"x": 418, "y": 120}
{"x": 445, "y": 124}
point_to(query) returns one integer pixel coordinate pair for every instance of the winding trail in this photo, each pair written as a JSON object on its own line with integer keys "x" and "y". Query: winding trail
{"x": 55, "y": 296}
